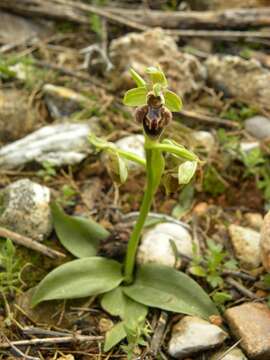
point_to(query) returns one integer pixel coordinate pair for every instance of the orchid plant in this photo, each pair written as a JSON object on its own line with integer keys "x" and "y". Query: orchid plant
{"x": 127, "y": 291}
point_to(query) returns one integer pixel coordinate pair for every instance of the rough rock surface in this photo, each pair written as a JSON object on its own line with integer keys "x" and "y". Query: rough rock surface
{"x": 234, "y": 354}
{"x": 251, "y": 323}
{"x": 16, "y": 120}
{"x": 254, "y": 220}
{"x": 60, "y": 144}
{"x": 246, "y": 244}
{"x": 25, "y": 209}
{"x": 204, "y": 139}
{"x": 192, "y": 335}
{"x": 265, "y": 242}
{"x": 16, "y": 29}
{"x": 139, "y": 50}
{"x": 62, "y": 101}
{"x": 156, "y": 245}
{"x": 258, "y": 126}
{"x": 245, "y": 80}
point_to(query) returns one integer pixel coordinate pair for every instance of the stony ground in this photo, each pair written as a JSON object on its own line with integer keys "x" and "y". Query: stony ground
{"x": 61, "y": 81}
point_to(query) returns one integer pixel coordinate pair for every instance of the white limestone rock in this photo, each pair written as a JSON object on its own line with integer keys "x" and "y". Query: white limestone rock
{"x": 156, "y": 245}
{"x": 246, "y": 244}
{"x": 192, "y": 335}
{"x": 25, "y": 209}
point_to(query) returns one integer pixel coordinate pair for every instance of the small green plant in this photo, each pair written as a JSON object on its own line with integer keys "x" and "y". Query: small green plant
{"x": 127, "y": 291}
{"x": 47, "y": 172}
{"x": 212, "y": 264}
{"x": 9, "y": 269}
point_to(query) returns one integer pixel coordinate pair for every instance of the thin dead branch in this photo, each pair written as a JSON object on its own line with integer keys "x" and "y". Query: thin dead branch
{"x": 30, "y": 244}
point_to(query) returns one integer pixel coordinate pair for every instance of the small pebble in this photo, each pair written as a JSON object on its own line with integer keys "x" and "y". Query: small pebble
{"x": 156, "y": 247}
{"x": 250, "y": 322}
{"x": 246, "y": 244}
{"x": 258, "y": 126}
{"x": 192, "y": 335}
{"x": 265, "y": 242}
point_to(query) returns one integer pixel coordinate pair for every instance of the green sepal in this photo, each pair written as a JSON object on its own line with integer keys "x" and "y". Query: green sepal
{"x": 172, "y": 101}
{"x": 157, "y": 76}
{"x": 136, "y": 97}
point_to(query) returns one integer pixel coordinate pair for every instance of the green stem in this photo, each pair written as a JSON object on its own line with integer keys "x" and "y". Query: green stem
{"x": 131, "y": 156}
{"x": 154, "y": 170}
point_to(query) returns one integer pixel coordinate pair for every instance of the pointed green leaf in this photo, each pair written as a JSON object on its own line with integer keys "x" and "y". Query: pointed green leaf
{"x": 79, "y": 278}
{"x": 136, "y": 97}
{"x": 168, "y": 289}
{"x": 117, "y": 303}
{"x": 131, "y": 312}
{"x": 186, "y": 171}
{"x": 78, "y": 235}
{"x": 172, "y": 101}
{"x": 114, "y": 336}
{"x": 157, "y": 76}
{"x": 137, "y": 78}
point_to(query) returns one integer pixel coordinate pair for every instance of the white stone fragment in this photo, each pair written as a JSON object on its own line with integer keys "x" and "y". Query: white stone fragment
{"x": 246, "y": 244}
{"x": 192, "y": 335}
{"x": 246, "y": 147}
{"x": 63, "y": 144}
{"x": 134, "y": 144}
{"x": 233, "y": 354}
{"x": 258, "y": 126}
{"x": 25, "y": 209}
{"x": 156, "y": 245}
{"x": 204, "y": 139}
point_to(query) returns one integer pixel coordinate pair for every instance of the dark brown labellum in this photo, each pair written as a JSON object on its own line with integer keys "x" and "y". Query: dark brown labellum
{"x": 154, "y": 116}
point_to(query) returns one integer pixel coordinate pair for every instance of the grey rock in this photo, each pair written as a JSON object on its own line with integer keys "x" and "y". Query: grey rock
{"x": 246, "y": 244}
{"x": 16, "y": 119}
{"x": 16, "y": 29}
{"x": 155, "y": 246}
{"x": 60, "y": 144}
{"x": 233, "y": 354}
{"x": 25, "y": 209}
{"x": 62, "y": 101}
{"x": 250, "y": 322}
{"x": 140, "y": 50}
{"x": 192, "y": 335}
{"x": 258, "y": 126}
{"x": 242, "y": 79}
{"x": 204, "y": 139}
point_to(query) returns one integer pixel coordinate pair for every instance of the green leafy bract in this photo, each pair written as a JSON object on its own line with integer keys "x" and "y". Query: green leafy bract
{"x": 186, "y": 171}
{"x": 168, "y": 289}
{"x": 131, "y": 312}
{"x": 78, "y": 235}
{"x": 136, "y": 96}
{"x": 79, "y": 278}
{"x": 172, "y": 101}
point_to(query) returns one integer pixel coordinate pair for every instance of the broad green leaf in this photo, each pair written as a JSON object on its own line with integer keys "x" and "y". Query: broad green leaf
{"x": 172, "y": 101}
{"x": 137, "y": 78}
{"x": 79, "y": 278}
{"x": 78, "y": 235}
{"x": 136, "y": 97}
{"x": 157, "y": 76}
{"x": 117, "y": 303}
{"x": 168, "y": 289}
{"x": 114, "y": 336}
{"x": 186, "y": 171}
